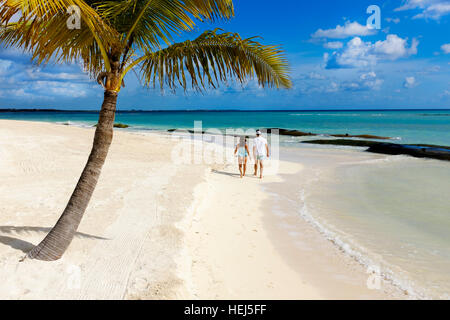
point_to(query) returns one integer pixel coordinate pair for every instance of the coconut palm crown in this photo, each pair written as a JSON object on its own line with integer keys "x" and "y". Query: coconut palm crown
{"x": 118, "y": 36}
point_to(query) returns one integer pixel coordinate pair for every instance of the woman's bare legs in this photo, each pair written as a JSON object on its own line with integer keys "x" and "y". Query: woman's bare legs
{"x": 245, "y": 165}
{"x": 240, "y": 165}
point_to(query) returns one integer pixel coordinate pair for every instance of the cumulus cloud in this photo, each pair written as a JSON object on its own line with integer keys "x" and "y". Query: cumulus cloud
{"x": 358, "y": 53}
{"x": 333, "y": 45}
{"x": 365, "y": 82}
{"x": 58, "y": 88}
{"x": 350, "y": 29}
{"x": 430, "y": 9}
{"x": 410, "y": 82}
{"x": 18, "y": 80}
{"x": 446, "y": 48}
{"x": 37, "y": 73}
{"x": 395, "y": 47}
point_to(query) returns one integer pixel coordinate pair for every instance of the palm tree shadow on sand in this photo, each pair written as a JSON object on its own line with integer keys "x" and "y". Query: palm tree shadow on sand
{"x": 26, "y": 246}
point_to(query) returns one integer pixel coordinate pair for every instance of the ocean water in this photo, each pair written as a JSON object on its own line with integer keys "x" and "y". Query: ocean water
{"x": 391, "y": 213}
{"x": 417, "y": 126}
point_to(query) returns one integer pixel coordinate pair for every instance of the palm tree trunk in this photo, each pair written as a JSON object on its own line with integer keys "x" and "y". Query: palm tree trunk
{"x": 59, "y": 238}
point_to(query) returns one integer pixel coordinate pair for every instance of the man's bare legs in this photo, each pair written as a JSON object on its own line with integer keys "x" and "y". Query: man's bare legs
{"x": 261, "y": 167}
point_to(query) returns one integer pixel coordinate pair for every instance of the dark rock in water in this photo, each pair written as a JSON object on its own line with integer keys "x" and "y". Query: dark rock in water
{"x": 418, "y": 151}
{"x": 287, "y": 132}
{"x": 297, "y": 133}
{"x": 364, "y": 136}
{"x": 412, "y": 150}
{"x": 186, "y": 131}
{"x": 344, "y": 142}
{"x": 120, "y": 125}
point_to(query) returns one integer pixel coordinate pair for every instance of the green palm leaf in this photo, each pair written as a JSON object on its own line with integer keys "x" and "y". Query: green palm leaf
{"x": 150, "y": 22}
{"x": 42, "y": 30}
{"x": 215, "y": 57}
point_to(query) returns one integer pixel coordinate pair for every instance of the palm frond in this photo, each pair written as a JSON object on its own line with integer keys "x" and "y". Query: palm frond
{"x": 152, "y": 22}
{"x": 210, "y": 9}
{"x": 42, "y": 30}
{"x": 212, "y": 58}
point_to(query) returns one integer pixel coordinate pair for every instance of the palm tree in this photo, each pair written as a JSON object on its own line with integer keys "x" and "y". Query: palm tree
{"x": 123, "y": 35}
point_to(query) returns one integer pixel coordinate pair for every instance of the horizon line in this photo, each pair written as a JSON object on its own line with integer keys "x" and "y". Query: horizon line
{"x": 2, "y": 110}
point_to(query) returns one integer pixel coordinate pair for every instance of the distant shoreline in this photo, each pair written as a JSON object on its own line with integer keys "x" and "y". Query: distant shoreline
{"x": 4, "y": 110}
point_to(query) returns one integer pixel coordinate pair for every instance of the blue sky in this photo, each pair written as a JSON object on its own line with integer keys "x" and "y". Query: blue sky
{"x": 335, "y": 60}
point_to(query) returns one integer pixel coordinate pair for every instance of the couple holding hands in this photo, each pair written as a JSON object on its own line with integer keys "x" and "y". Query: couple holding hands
{"x": 260, "y": 153}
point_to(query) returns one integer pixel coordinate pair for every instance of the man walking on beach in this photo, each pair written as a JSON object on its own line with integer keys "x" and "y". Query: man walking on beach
{"x": 260, "y": 153}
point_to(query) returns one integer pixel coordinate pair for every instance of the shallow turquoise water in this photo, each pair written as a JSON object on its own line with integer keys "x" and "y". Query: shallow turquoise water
{"x": 396, "y": 214}
{"x": 418, "y": 126}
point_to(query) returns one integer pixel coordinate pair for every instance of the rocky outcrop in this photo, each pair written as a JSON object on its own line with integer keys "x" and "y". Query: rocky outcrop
{"x": 297, "y": 133}
{"x": 363, "y": 136}
{"x": 414, "y": 150}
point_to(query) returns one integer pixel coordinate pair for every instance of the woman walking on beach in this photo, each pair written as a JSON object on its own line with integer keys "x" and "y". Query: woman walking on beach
{"x": 243, "y": 153}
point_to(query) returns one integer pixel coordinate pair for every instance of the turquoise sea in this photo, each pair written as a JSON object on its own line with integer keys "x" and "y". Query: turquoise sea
{"x": 391, "y": 212}
{"x": 410, "y": 126}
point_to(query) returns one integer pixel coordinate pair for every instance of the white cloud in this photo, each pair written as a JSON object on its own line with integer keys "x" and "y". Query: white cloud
{"x": 395, "y": 47}
{"x": 36, "y": 73}
{"x": 333, "y": 45}
{"x": 4, "y": 65}
{"x": 394, "y": 20}
{"x": 21, "y": 81}
{"x": 58, "y": 88}
{"x": 316, "y": 76}
{"x": 369, "y": 75}
{"x": 334, "y": 87}
{"x": 431, "y": 9}
{"x": 350, "y": 29}
{"x": 366, "y": 82}
{"x": 413, "y": 4}
{"x": 410, "y": 82}
{"x": 358, "y": 54}
{"x": 446, "y": 48}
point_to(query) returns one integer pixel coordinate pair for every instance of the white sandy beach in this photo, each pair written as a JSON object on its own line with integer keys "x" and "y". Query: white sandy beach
{"x": 155, "y": 229}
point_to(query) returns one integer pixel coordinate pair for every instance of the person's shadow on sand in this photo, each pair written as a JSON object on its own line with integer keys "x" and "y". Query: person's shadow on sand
{"x": 26, "y": 246}
{"x": 226, "y": 173}
{"x": 230, "y": 174}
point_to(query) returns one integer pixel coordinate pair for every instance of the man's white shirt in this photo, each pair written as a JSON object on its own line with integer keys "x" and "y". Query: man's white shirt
{"x": 260, "y": 145}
